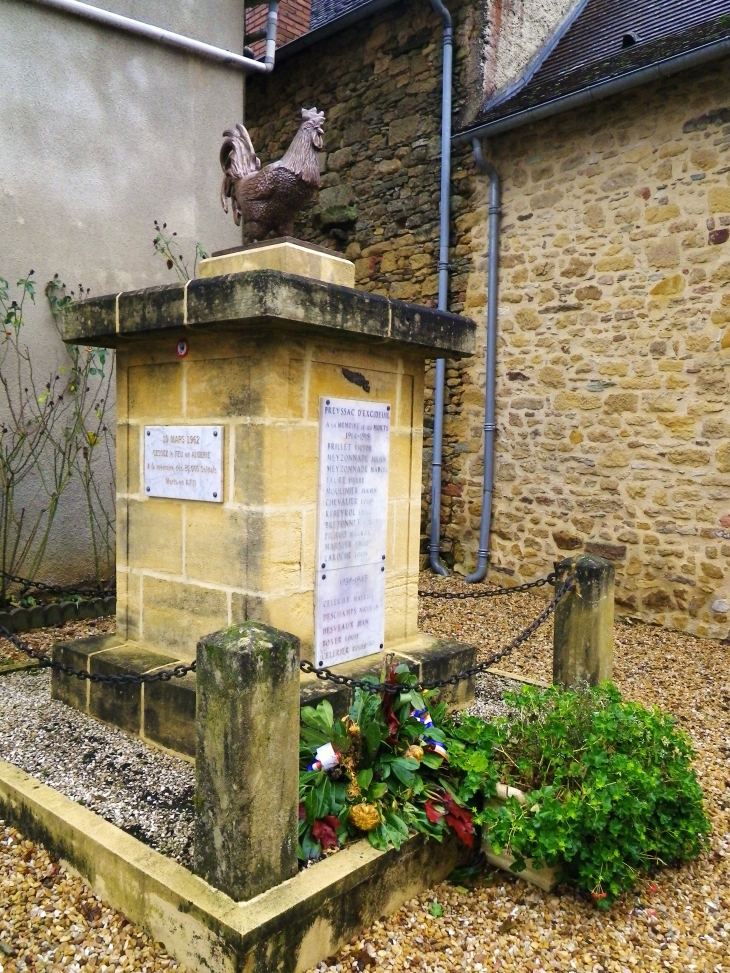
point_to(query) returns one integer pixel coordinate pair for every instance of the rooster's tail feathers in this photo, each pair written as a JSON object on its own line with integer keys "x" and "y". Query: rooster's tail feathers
{"x": 238, "y": 159}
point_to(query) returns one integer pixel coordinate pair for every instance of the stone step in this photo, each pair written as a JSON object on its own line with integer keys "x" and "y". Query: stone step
{"x": 163, "y": 713}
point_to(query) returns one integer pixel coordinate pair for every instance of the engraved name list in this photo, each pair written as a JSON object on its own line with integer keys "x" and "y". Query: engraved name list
{"x": 352, "y": 518}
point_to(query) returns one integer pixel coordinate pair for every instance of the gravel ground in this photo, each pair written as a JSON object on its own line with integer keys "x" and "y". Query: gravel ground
{"x": 51, "y": 922}
{"x": 42, "y": 639}
{"x": 677, "y": 921}
{"x": 147, "y": 793}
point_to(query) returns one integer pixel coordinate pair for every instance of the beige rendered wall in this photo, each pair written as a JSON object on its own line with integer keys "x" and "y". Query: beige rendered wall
{"x": 101, "y": 134}
{"x": 514, "y": 32}
{"x": 614, "y": 350}
{"x": 185, "y": 569}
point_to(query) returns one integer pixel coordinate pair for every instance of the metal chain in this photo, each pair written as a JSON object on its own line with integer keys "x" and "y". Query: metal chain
{"x": 132, "y": 678}
{"x": 52, "y": 589}
{"x": 394, "y": 688}
{"x": 181, "y": 670}
{"x": 493, "y": 592}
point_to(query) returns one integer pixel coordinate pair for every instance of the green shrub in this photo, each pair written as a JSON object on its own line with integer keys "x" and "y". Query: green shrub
{"x": 610, "y": 788}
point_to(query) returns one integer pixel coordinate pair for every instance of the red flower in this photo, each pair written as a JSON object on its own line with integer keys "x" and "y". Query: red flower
{"x": 433, "y": 815}
{"x": 302, "y": 812}
{"x": 324, "y": 831}
{"x": 387, "y": 707}
{"x": 459, "y": 820}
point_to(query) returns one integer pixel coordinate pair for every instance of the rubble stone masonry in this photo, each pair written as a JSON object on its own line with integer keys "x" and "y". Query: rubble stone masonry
{"x": 614, "y": 319}
{"x": 614, "y": 353}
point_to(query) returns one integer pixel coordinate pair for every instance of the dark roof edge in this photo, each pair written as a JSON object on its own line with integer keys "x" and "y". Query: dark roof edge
{"x": 594, "y": 92}
{"x": 353, "y": 16}
{"x": 547, "y": 48}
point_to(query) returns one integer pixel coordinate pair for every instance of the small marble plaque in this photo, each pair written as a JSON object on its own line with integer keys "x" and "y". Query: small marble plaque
{"x": 184, "y": 462}
{"x": 350, "y": 613}
{"x": 352, "y": 519}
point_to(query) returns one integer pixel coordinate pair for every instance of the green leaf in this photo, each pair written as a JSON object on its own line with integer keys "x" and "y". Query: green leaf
{"x": 372, "y": 739}
{"x": 404, "y": 775}
{"x": 396, "y": 823}
{"x": 311, "y": 806}
{"x": 309, "y": 716}
{"x": 311, "y": 849}
{"x": 325, "y": 707}
{"x": 436, "y": 910}
{"x": 378, "y": 837}
{"x": 325, "y": 794}
{"x": 364, "y": 778}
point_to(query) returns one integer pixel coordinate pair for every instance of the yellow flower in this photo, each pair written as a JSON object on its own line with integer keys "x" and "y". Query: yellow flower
{"x": 93, "y": 438}
{"x": 414, "y": 752}
{"x": 365, "y": 817}
{"x": 353, "y": 730}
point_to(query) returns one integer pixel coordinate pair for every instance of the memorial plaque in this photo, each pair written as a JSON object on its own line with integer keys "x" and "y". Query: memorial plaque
{"x": 184, "y": 462}
{"x": 352, "y": 520}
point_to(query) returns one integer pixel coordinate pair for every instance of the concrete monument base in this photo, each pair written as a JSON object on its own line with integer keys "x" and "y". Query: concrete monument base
{"x": 163, "y": 713}
{"x": 246, "y": 357}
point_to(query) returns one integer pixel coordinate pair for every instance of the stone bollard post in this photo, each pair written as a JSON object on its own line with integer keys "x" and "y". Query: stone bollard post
{"x": 583, "y": 640}
{"x": 247, "y": 760}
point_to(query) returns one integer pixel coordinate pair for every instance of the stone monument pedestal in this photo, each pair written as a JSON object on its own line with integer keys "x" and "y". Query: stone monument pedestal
{"x": 249, "y": 355}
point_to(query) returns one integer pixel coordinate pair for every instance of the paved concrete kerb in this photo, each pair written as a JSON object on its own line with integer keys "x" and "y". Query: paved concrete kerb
{"x": 287, "y": 929}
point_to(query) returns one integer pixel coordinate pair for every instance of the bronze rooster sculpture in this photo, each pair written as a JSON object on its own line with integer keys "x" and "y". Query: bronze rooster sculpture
{"x": 268, "y": 199}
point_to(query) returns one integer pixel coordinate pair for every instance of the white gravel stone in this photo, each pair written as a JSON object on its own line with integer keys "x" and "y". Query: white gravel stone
{"x": 141, "y": 790}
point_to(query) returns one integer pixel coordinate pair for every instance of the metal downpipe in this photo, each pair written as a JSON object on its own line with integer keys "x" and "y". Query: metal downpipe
{"x": 272, "y": 20}
{"x": 169, "y": 37}
{"x": 443, "y": 292}
{"x": 490, "y": 427}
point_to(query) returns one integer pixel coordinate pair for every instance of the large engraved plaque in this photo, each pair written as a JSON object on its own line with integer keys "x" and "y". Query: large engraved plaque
{"x": 184, "y": 462}
{"x": 352, "y": 519}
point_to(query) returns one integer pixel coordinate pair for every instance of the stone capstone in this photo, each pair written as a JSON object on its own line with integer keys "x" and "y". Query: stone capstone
{"x": 243, "y": 302}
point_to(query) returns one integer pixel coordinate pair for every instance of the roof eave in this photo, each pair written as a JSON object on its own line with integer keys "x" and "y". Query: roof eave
{"x": 597, "y": 91}
{"x": 334, "y": 26}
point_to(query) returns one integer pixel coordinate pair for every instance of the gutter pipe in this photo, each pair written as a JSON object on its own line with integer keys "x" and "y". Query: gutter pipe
{"x": 601, "y": 89}
{"x": 162, "y": 36}
{"x": 490, "y": 427}
{"x": 443, "y": 285}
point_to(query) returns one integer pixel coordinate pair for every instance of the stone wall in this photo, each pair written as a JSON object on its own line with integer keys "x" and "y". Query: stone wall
{"x": 614, "y": 431}
{"x": 613, "y": 426}
{"x": 379, "y": 84}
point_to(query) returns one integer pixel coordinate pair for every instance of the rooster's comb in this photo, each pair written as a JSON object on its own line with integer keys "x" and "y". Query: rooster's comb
{"x": 312, "y": 115}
